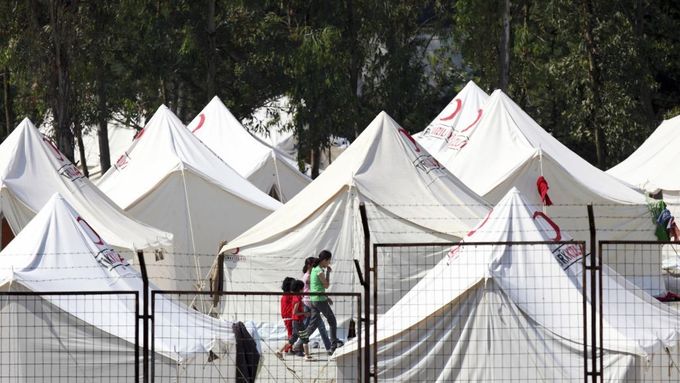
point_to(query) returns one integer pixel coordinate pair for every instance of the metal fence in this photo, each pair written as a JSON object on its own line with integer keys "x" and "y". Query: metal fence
{"x": 514, "y": 311}
{"x": 637, "y": 265}
{"x": 42, "y": 341}
{"x": 259, "y": 333}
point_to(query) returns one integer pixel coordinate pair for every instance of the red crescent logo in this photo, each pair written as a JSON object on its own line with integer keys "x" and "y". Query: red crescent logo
{"x": 90, "y": 231}
{"x": 139, "y": 134}
{"x": 558, "y": 235}
{"x": 479, "y": 116}
{"x": 236, "y": 250}
{"x": 481, "y": 224}
{"x": 452, "y": 115}
{"x": 407, "y": 135}
{"x": 51, "y": 144}
{"x": 200, "y": 122}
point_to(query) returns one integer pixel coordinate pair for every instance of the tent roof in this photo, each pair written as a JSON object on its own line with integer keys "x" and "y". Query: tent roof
{"x": 452, "y": 127}
{"x": 59, "y": 248}
{"x": 386, "y": 166}
{"x": 32, "y": 169}
{"x": 222, "y": 133}
{"x": 219, "y": 130}
{"x": 165, "y": 146}
{"x": 536, "y": 282}
{"x": 507, "y": 140}
{"x": 651, "y": 166}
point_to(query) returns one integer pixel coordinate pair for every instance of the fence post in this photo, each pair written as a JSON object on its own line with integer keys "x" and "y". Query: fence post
{"x": 218, "y": 284}
{"x": 594, "y": 282}
{"x": 145, "y": 316}
{"x": 366, "y": 375}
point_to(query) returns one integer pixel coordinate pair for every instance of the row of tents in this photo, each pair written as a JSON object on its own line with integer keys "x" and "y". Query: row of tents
{"x": 177, "y": 191}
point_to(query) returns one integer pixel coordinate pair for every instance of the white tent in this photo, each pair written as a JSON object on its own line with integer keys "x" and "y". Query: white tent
{"x": 509, "y": 149}
{"x": 168, "y": 178}
{"x": 409, "y": 198}
{"x": 505, "y": 312}
{"x": 450, "y": 131}
{"x": 32, "y": 169}
{"x": 266, "y": 167}
{"x": 92, "y": 336}
{"x": 652, "y": 167}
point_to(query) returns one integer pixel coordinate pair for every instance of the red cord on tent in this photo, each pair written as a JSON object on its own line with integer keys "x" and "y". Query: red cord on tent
{"x": 542, "y": 186}
{"x": 668, "y": 297}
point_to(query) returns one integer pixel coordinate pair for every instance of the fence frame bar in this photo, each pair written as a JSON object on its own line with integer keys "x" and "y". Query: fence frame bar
{"x": 92, "y": 293}
{"x": 581, "y": 244}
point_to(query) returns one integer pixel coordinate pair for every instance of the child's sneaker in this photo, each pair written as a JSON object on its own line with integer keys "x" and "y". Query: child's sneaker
{"x": 308, "y": 358}
{"x": 335, "y": 345}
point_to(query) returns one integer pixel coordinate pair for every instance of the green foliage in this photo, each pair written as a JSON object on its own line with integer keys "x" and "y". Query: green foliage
{"x": 549, "y": 67}
{"x": 341, "y": 62}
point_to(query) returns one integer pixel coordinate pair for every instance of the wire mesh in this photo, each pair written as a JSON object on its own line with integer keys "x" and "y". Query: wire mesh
{"x": 482, "y": 312}
{"x": 69, "y": 337}
{"x": 654, "y": 321}
{"x": 257, "y": 349}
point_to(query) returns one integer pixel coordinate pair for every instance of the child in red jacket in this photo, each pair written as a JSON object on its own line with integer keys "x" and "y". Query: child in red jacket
{"x": 287, "y": 308}
{"x": 298, "y": 315}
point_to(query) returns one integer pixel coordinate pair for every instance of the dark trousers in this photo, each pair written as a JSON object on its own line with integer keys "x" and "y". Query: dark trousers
{"x": 319, "y": 308}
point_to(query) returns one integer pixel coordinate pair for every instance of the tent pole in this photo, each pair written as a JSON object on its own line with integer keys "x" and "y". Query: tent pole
{"x": 145, "y": 316}
{"x": 278, "y": 181}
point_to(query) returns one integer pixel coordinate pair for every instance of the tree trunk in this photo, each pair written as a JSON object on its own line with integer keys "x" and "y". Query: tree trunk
{"x": 7, "y": 103}
{"x": 212, "y": 52}
{"x": 645, "y": 92}
{"x": 103, "y": 135}
{"x": 505, "y": 49}
{"x": 354, "y": 65}
{"x": 316, "y": 162}
{"x": 61, "y": 92}
{"x": 587, "y": 14}
{"x": 81, "y": 149}
{"x": 102, "y": 122}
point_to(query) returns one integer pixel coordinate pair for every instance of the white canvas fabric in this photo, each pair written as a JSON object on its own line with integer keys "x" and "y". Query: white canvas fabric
{"x": 32, "y": 169}
{"x": 509, "y": 149}
{"x": 409, "y": 198}
{"x": 168, "y": 178}
{"x": 493, "y": 312}
{"x": 450, "y": 131}
{"x": 120, "y": 138}
{"x": 266, "y": 167}
{"x": 652, "y": 166}
{"x": 60, "y": 251}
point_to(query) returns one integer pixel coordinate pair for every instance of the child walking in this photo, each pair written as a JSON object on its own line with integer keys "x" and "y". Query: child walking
{"x": 287, "y": 308}
{"x": 298, "y": 315}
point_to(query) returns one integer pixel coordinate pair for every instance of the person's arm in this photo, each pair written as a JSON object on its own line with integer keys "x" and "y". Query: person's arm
{"x": 325, "y": 278}
{"x": 296, "y": 312}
